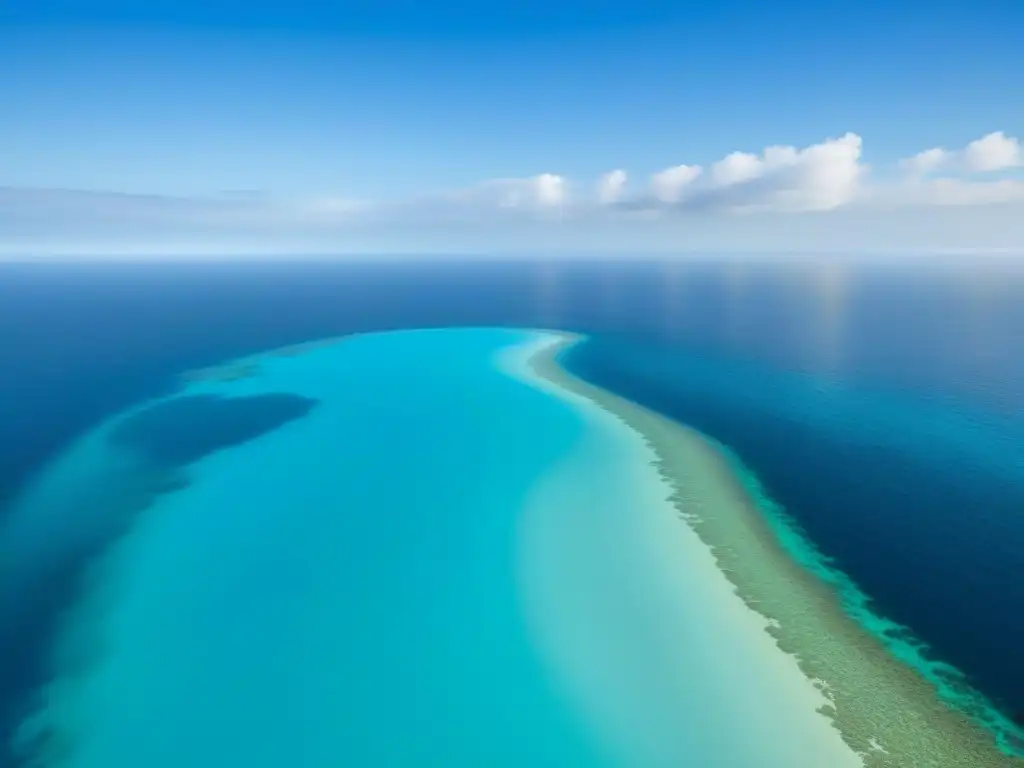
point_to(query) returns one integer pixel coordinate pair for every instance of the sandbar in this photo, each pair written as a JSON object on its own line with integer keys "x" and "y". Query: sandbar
{"x": 637, "y": 620}
{"x": 885, "y": 711}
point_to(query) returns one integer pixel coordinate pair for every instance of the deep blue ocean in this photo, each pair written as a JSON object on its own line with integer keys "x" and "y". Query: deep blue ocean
{"x": 882, "y": 406}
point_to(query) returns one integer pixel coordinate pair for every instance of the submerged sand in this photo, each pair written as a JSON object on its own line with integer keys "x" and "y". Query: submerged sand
{"x": 885, "y": 710}
{"x": 249, "y": 367}
{"x": 639, "y": 626}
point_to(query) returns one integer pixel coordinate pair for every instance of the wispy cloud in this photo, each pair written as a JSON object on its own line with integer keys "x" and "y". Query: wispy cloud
{"x": 778, "y": 182}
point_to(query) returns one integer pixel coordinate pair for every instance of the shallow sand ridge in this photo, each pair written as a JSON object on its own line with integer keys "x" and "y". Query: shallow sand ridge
{"x": 884, "y": 709}
{"x": 638, "y": 624}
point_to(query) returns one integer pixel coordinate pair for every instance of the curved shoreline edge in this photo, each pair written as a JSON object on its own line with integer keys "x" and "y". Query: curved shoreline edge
{"x": 689, "y": 664}
{"x": 885, "y": 710}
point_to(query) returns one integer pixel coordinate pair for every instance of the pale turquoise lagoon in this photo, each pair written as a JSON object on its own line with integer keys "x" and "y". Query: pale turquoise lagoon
{"x": 441, "y": 563}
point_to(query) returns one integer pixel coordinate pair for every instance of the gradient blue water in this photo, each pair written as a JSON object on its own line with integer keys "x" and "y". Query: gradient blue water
{"x": 917, "y": 502}
{"x": 340, "y": 591}
{"x": 939, "y": 339}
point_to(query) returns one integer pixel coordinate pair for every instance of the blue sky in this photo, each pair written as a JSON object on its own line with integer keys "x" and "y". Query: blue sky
{"x": 216, "y": 126}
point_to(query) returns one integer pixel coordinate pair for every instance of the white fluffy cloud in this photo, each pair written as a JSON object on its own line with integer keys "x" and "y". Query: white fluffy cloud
{"x": 736, "y": 168}
{"x": 611, "y": 186}
{"x": 926, "y": 161}
{"x": 992, "y": 152}
{"x": 668, "y": 185}
{"x": 963, "y": 177}
{"x": 782, "y": 178}
{"x": 548, "y": 190}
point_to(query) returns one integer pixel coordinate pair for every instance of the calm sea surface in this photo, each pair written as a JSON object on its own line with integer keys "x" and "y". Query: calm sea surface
{"x": 882, "y": 406}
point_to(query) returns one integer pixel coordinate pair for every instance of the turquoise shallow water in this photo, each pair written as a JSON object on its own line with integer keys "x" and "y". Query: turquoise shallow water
{"x": 341, "y": 590}
{"x": 437, "y": 564}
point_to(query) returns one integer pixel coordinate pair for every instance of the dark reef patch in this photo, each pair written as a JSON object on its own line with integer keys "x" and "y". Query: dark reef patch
{"x": 185, "y": 429}
{"x": 245, "y": 369}
{"x": 35, "y": 592}
{"x": 34, "y": 595}
{"x": 302, "y": 348}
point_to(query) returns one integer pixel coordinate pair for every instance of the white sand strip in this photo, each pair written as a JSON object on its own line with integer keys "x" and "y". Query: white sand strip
{"x": 640, "y": 627}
